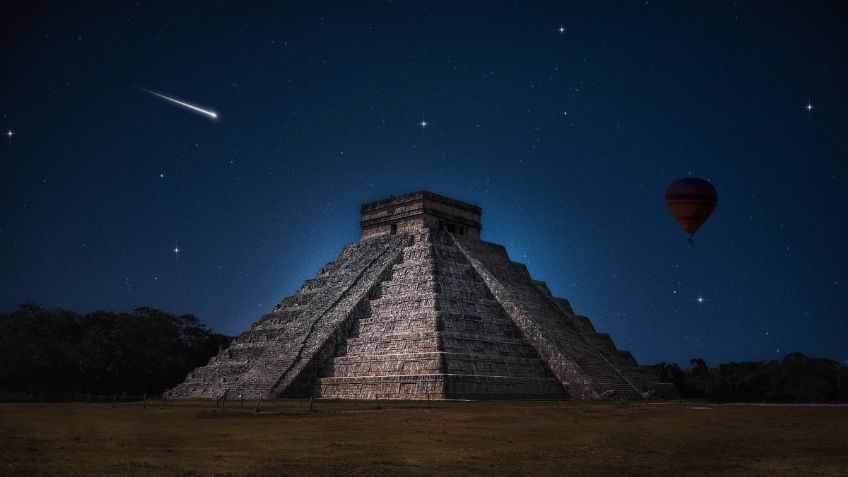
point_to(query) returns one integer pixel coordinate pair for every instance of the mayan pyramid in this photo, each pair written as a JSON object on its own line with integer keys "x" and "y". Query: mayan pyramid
{"x": 421, "y": 308}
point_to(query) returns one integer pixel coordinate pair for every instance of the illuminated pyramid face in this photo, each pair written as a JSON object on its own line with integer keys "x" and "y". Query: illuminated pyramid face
{"x": 421, "y": 308}
{"x": 433, "y": 328}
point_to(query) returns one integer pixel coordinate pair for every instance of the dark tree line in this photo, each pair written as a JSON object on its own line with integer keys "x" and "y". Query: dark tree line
{"x": 143, "y": 351}
{"x": 795, "y": 378}
{"x": 148, "y": 351}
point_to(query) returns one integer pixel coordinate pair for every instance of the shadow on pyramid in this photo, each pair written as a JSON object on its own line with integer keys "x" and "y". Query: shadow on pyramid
{"x": 421, "y": 308}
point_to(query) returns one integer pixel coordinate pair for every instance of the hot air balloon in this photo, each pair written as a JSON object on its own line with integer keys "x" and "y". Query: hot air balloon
{"x": 690, "y": 201}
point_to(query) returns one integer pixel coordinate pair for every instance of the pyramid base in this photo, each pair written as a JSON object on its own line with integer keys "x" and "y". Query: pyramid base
{"x": 440, "y": 386}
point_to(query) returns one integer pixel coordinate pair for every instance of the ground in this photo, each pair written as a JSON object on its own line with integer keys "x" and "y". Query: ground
{"x": 449, "y": 438}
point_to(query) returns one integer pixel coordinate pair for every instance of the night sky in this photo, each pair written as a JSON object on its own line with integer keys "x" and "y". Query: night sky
{"x": 564, "y": 122}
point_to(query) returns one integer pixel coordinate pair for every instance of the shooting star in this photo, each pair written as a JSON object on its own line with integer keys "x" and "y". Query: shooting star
{"x": 211, "y": 114}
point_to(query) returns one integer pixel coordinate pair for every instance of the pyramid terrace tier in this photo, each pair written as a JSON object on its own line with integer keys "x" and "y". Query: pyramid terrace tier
{"x": 435, "y": 362}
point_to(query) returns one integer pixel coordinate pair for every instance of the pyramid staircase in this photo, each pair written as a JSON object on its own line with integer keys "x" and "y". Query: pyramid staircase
{"x": 433, "y": 330}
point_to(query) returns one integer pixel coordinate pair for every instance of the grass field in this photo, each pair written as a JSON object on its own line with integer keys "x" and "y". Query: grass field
{"x": 451, "y": 438}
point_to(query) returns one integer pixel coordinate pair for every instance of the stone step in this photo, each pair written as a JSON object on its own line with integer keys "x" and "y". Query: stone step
{"x": 501, "y": 347}
{"x": 487, "y": 328}
{"x": 469, "y": 386}
{"x": 487, "y": 365}
{"x": 387, "y": 308}
{"x": 394, "y": 327}
{"x": 394, "y": 364}
{"x": 440, "y": 386}
{"x": 411, "y": 333}
{"x": 481, "y": 307}
{"x": 424, "y": 297}
{"x": 421, "y": 315}
{"x": 406, "y": 287}
{"x": 370, "y": 347}
{"x": 421, "y": 386}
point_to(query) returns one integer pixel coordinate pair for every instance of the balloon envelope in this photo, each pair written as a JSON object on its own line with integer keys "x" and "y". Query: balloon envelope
{"x": 691, "y": 201}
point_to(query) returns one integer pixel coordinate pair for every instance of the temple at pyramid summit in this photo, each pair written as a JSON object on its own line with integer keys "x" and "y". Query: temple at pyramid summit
{"x": 422, "y": 308}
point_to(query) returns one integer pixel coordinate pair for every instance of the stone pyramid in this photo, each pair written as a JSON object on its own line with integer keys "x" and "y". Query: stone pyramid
{"x": 421, "y": 308}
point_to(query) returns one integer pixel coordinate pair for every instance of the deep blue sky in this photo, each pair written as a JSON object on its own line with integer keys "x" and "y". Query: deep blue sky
{"x": 566, "y": 140}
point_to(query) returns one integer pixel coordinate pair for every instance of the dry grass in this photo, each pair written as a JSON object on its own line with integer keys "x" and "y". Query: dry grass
{"x": 453, "y": 438}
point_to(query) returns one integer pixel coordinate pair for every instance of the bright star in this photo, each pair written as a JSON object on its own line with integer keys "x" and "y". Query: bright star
{"x": 809, "y": 107}
{"x": 423, "y": 124}
{"x": 176, "y": 250}
{"x": 700, "y": 299}
{"x": 9, "y": 133}
{"x": 561, "y": 29}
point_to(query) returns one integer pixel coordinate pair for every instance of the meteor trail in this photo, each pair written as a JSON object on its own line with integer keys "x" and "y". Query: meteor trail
{"x": 211, "y": 114}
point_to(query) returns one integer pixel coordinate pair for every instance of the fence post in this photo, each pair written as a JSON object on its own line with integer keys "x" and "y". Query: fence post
{"x": 163, "y": 401}
{"x": 310, "y": 404}
{"x": 258, "y": 401}
{"x": 144, "y": 403}
{"x": 241, "y": 396}
{"x": 114, "y": 399}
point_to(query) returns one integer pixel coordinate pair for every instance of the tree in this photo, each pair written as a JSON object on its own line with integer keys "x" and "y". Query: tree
{"x": 145, "y": 351}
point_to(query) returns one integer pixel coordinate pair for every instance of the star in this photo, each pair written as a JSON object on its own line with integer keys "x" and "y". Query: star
{"x": 561, "y": 29}
{"x": 9, "y": 133}
{"x": 176, "y": 250}
{"x": 809, "y": 107}
{"x": 423, "y": 124}
{"x": 700, "y": 299}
